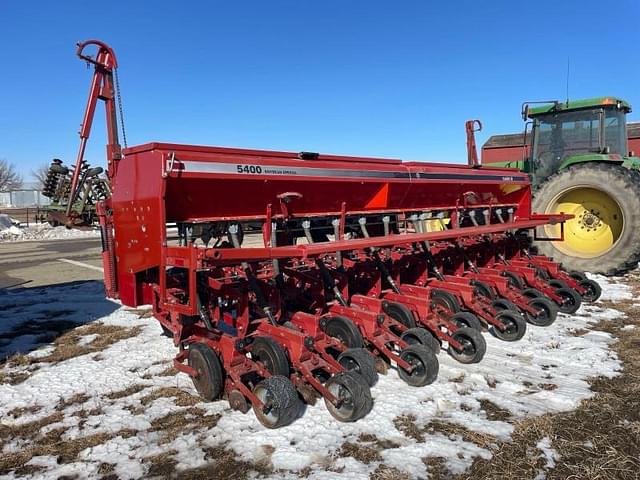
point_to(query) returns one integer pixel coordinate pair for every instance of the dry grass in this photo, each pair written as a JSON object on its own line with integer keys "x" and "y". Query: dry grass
{"x": 363, "y": 453}
{"x": 17, "y": 368}
{"x": 437, "y": 468}
{"x": 222, "y": 465}
{"x": 493, "y": 411}
{"x": 383, "y": 472}
{"x": 67, "y": 346}
{"x": 78, "y": 398}
{"x": 49, "y": 443}
{"x": 168, "y": 372}
{"x": 127, "y": 392}
{"x": 173, "y": 424}
{"x": 19, "y": 412}
{"x": 183, "y": 399}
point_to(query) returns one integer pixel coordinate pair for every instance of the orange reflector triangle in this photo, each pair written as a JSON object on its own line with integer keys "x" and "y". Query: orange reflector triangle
{"x": 380, "y": 199}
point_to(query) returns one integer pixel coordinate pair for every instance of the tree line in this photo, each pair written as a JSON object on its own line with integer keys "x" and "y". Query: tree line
{"x": 10, "y": 178}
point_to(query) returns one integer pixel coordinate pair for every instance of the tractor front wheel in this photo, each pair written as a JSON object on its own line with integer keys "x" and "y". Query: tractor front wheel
{"x": 605, "y": 201}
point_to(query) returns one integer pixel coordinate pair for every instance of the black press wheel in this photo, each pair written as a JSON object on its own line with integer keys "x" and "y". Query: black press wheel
{"x": 501, "y": 304}
{"x": 547, "y": 311}
{"x": 466, "y": 319}
{"x": 445, "y": 299}
{"x": 353, "y": 397}
{"x": 421, "y": 336}
{"x": 360, "y": 361}
{"x": 593, "y": 290}
{"x": 483, "y": 289}
{"x": 555, "y": 283}
{"x": 400, "y": 313}
{"x": 514, "y": 279}
{"x": 515, "y": 325}
{"x": 473, "y": 346}
{"x": 579, "y": 276}
{"x": 533, "y": 293}
{"x": 571, "y": 300}
{"x": 425, "y": 366}
{"x": 344, "y": 330}
{"x": 271, "y": 354}
{"x": 210, "y": 379}
{"x": 280, "y": 402}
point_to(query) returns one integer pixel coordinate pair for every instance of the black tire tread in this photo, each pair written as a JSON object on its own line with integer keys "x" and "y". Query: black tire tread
{"x": 267, "y": 346}
{"x": 421, "y": 336}
{"x": 428, "y": 358}
{"x": 478, "y": 341}
{"x": 287, "y": 400}
{"x": 338, "y": 324}
{"x": 365, "y": 362}
{"x": 214, "y": 386}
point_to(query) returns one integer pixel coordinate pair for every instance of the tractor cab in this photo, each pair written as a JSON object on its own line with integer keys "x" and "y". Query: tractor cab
{"x": 575, "y": 132}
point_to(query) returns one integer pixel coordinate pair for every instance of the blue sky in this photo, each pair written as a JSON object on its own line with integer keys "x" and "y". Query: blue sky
{"x": 394, "y": 79}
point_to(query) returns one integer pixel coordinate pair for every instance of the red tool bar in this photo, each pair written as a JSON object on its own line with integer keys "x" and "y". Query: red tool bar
{"x": 305, "y": 251}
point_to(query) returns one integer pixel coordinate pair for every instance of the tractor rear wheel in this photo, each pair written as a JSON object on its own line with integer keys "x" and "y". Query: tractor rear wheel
{"x": 605, "y": 201}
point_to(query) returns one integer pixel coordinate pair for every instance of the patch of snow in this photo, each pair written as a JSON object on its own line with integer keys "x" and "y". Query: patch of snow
{"x": 612, "y": 289}
{"x": 87, "y": 339}
{"x": 550, "y": 455}
{"x": 545, "y": 372}
{"x": 628, "y": 327}
{"x": 44, "y": 231}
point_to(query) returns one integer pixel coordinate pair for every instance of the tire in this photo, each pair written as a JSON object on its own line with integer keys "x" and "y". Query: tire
{"x": 514, "y": 280}
{"x": 210, "y": 380}
{"x": 593, "y": 290}
{"x": 501, "y": 304}
{"x": 542, "y": 273}
{"x": 579, "y": 276}
{"x": 555, "y": 283}
{"x": 344, "y": 330}
{"x": 516, "y": 326}
{"x": 571, "y": 300}
{"x": 360, "y": 361}
{"x": 281, "y": 398}
{"x": 483, "y": 289}
{"x": 474, "y": 346}
{"x": 272, "y": 355}
{"x": 533, "y": 293}
{"x": 421, "y": 336}
{"x": 548, "y": 312}
{"x": 355, "y": 396}
{"x": 603, "y": 183}
{"x": 400, "y": 313}
{"x": 466, "y": 320}
{"x": 426, "y": 364}
{"x": 445, "y": 299}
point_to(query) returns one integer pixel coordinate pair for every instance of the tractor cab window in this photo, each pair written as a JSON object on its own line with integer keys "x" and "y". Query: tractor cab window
{"x": 615, "y": 128}
{"x": 559, "y": 136}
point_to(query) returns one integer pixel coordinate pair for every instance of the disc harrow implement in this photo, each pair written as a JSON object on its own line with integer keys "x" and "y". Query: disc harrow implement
{"x": 290, "y": 277}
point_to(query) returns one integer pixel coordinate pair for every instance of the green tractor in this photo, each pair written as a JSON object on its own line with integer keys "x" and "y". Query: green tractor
{"x": 578, "y": 157}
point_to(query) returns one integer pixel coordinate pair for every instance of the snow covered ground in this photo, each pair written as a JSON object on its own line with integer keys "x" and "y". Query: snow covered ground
{"x": 109, "y": 384}
{"x": 43, "y": 231}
